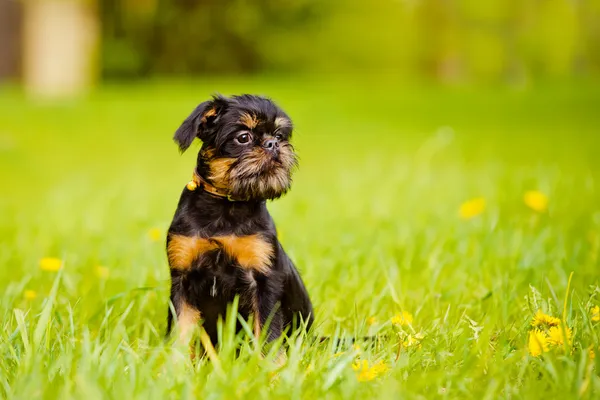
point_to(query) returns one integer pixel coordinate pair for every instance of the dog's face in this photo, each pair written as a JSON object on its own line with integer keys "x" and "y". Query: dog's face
{"x": 246, "y": 148}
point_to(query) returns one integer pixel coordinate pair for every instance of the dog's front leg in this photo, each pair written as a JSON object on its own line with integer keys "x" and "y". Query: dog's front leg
{"x": 187, "y": 317}
{"x": 267, "y": 308}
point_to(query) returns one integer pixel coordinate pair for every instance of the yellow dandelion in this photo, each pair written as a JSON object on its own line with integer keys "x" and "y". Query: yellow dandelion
{"x": 338, "y": 354}
{"x": 379, "y": 368}
{"x": 472, "y": 208}
{"x": 536, "y": 200}
{"x": 365, "y": 372}
{"x": 29, "y": 294}
{"x": 541, "y": 320}
{"x": 366, "y": 375}
{"x": 371, "y": 321}
{"x": 537, "y": 343}
{"x": 595, "y": 312}
{"x": 592, "y": 354}
{"x": 356, "y": 348}
{"x": 556, "y": 336}
{"x": 102, "y": 272}
{"x": 402, "y": 319}
{"x": 51, "y": 264}
{"x": 155, "y": 234}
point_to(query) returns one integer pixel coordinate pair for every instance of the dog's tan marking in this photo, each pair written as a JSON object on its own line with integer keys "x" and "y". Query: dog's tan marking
{"x": 251, "y": 252}
{"x": 254, "y": 176}
{"x": 257, "y": 329}
{"x": 248, "y": 120}
{"x": 209, "y": 113}
{"x": 187, "y": 321}
{"x": 219, "y": 171}
{"x": 282, "y": 122}
{"x": 208, "y": 153}
{"x": 183, "y": 250}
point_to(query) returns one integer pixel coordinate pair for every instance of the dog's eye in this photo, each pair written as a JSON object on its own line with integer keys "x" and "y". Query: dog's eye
{"x": 279, "y": 136}
{"x": 243, "y": 138}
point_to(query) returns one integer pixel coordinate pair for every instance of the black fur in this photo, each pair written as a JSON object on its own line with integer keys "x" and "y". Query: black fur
{"x": 215, "y": 278}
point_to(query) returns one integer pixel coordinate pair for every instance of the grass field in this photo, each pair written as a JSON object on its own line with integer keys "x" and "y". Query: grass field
{"x": 373, "y": 221}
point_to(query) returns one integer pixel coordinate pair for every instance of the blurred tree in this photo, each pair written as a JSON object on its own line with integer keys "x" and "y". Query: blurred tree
{"x": 589, "y": 17}
{"x": 448, "y": 40}
{"x": 10, "y": 38}
{"x": 187, "y": 36}
{"x": 60, "y": 42}
{"x": 439, "y": 31}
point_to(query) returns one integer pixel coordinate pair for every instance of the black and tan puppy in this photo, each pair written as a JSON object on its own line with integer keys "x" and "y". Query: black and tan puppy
{"x": 222, "y": 242}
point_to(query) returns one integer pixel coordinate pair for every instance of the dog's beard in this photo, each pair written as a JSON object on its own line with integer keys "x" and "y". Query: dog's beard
{"x": 255, "y": 175}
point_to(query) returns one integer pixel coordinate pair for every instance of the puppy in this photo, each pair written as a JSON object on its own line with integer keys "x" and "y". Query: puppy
{"x": 222, "y": 242}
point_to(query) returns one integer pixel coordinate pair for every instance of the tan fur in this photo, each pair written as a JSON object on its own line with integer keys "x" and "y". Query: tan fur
{"x": 248, "y": 120}
{"x": 187, "y": 321}
{"x": 183, "y": 250}
{"x": 251, "y": 252}
{"x": 287, "y": 157}
{"x": 281, "y": 122}
{"x": 208, "y": 153}
{"x": 257, "y": 329}
{"x": 209, "y": 113}
{"x": 219, "y": 171}
{"x": 253, "y": 162}
{"x": 253, "y": 175}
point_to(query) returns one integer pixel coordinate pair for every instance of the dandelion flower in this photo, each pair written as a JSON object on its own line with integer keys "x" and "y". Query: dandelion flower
{"x": 472, "y": 208}
{"x": 592, "y": 354}
{"x": 536, "y": 200}
{"x": 371, "y": 321}
{"x": 51, "y": 264}
{"x": 556, "y": 337}
{"x": 102, "y": 272}
{"x": 29, "y": 294}
{"x": 155, "y": 234}
{"x": 541, "y": 320}
{"x": 595, "y": 311}
{"x": 402, "y": 319}
{"x": 365, "y": 373}
{"x": 379, "y": 368}
{"x": 537, "y": 343}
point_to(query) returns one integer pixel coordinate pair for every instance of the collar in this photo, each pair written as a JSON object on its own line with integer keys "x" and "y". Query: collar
{"x": 199, "y": 182}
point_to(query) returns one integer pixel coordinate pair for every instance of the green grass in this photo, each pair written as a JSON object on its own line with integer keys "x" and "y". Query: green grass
{"x": 372, "y": 222}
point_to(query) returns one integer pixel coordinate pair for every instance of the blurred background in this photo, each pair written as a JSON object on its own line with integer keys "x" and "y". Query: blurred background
{"x": 403, "y": 111}
{"x": 449, "y": 163}
{"x": 65, "y": 46}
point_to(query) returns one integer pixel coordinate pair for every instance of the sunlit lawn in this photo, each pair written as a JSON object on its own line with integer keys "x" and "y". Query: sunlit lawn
{"x": 410, "y": 219}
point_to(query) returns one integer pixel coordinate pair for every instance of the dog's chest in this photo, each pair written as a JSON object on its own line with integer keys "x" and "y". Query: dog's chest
{"x": 250, "y": 252}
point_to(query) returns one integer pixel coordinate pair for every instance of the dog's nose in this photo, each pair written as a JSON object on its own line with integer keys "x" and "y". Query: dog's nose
{"x": 271, "y": 145}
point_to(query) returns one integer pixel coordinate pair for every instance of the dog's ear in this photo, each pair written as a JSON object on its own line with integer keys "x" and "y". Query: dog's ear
{"x": 198, "y": 124}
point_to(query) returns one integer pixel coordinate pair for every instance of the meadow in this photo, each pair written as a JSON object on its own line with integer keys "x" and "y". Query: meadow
{"x": 445, "y": 222}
